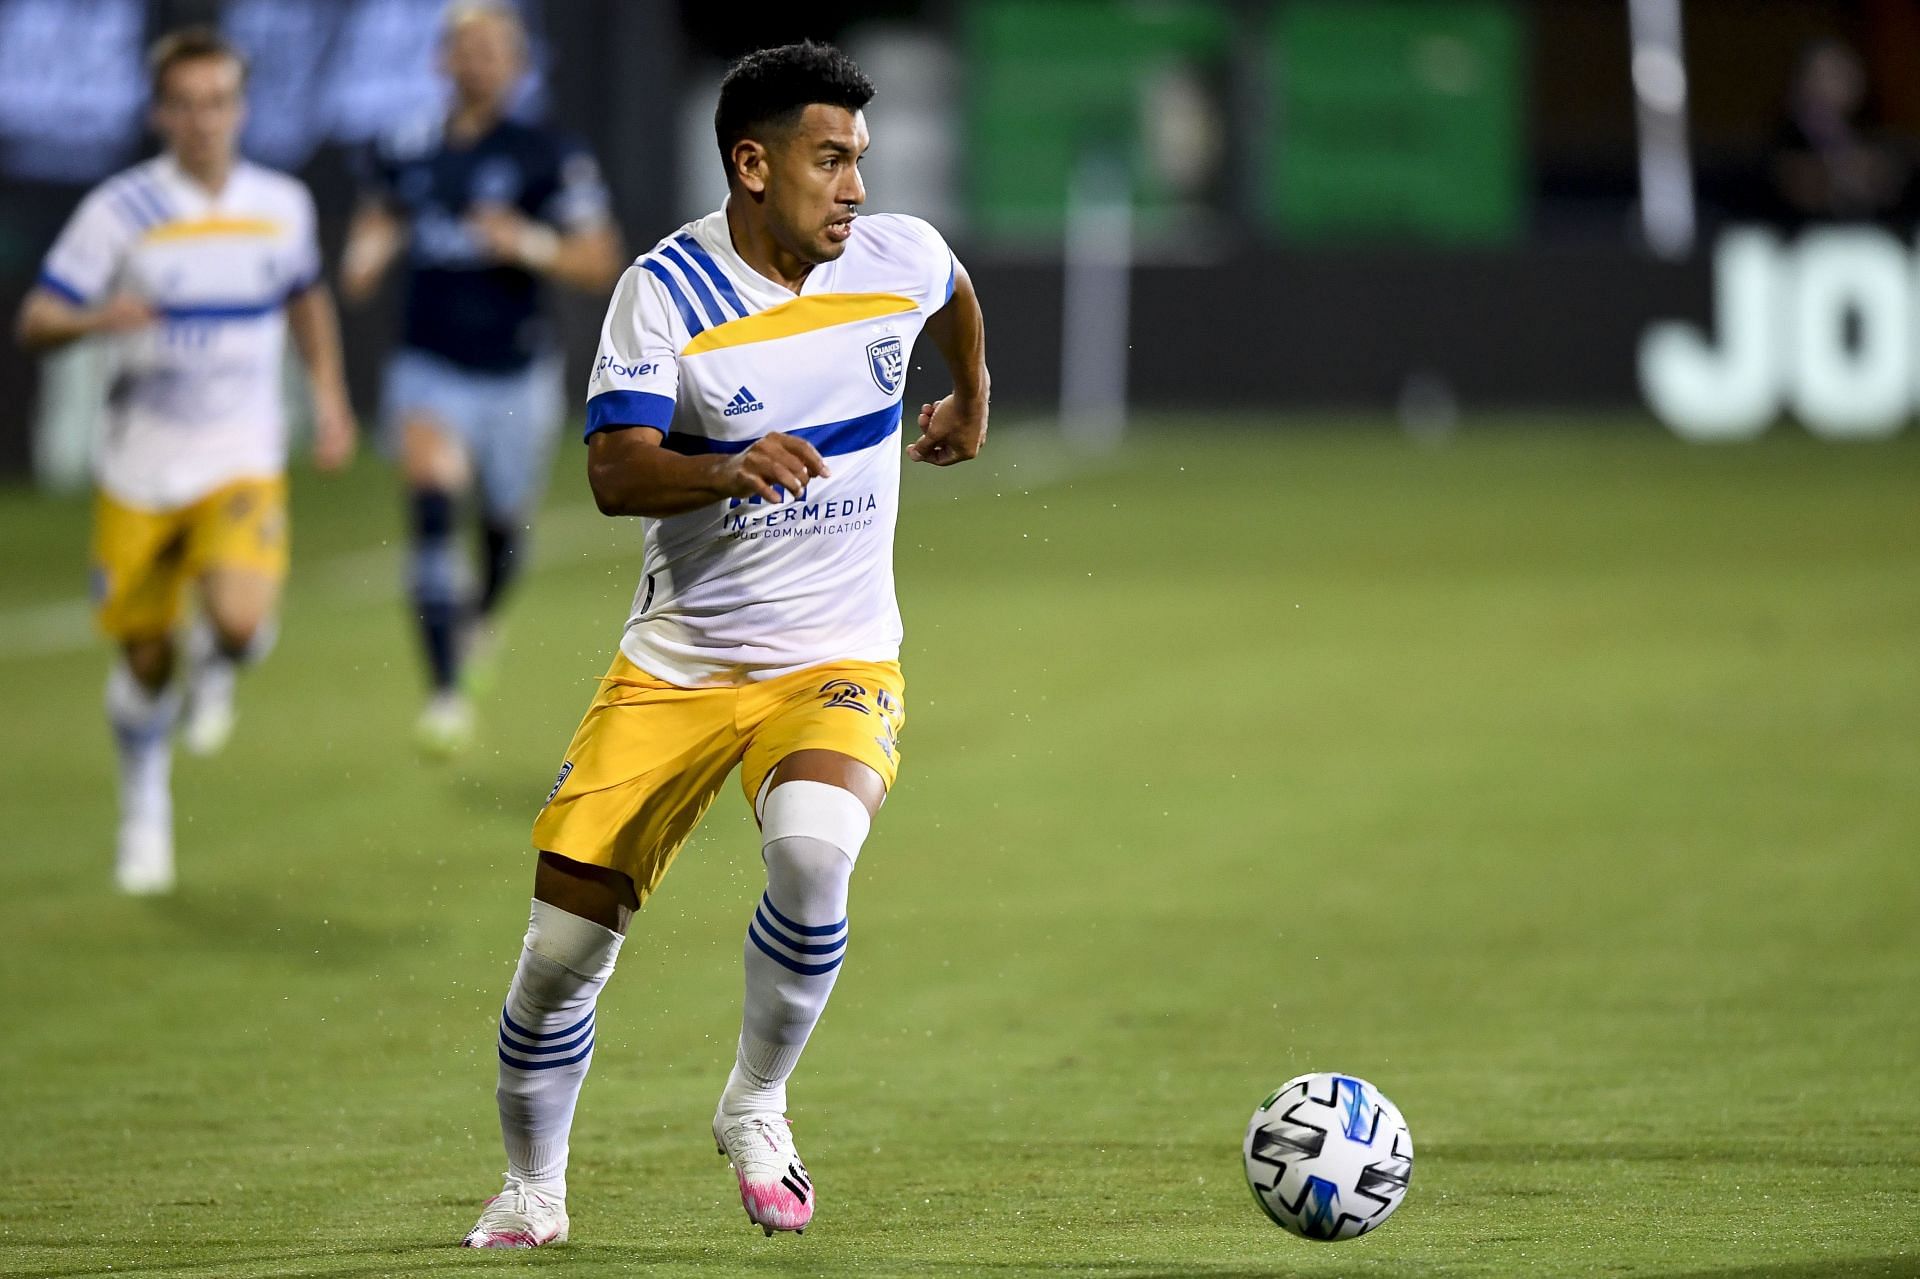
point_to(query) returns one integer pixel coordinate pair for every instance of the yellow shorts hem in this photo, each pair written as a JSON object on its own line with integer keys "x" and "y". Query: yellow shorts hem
{"x": 649, "y": 757}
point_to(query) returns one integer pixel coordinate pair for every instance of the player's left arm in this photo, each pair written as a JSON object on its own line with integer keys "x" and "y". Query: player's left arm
{"x": 955, "y": 428}
{"x": 316, "y": 333}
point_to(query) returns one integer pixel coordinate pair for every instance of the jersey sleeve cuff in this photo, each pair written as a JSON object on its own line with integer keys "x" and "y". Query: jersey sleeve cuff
{"x": 61, "y": 289}
{"x": 611, "y": 410}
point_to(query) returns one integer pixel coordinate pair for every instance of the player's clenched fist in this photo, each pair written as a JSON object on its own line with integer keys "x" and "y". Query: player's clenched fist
{"x": 775, "y": 462}
{"x": 952, "y": 430}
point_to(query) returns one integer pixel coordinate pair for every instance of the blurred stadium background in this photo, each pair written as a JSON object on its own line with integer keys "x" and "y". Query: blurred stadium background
{"x": 1347, "y": 655}
{"x": 1414, "y": 205}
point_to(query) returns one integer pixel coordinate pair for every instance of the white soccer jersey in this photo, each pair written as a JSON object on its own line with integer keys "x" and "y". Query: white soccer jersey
{"x": 195, "y": 400}
{"x": 702, "y": 347}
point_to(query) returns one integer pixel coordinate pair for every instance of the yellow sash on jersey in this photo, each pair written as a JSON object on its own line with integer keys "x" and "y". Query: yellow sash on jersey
{"x": 802, "y": 315}
{"x": 185, "y": 230}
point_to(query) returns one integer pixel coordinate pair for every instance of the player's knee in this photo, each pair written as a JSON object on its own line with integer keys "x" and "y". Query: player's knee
{"x": 574, "y": 949}
{"x": 150, "y": 661}
{"x": 812, "y": 834}
{"x": 819, "y": 811}
{"x": 236, "y": 636}
{"x": 801, "y": 869}
{"x": 430, "y": 457}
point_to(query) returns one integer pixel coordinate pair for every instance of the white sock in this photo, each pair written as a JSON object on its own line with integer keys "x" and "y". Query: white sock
{"x": 812, "y": 833}
{"x": 214, "y": 668}
{"x": 143, "y": 737}
{"x": 546, "y": 1041}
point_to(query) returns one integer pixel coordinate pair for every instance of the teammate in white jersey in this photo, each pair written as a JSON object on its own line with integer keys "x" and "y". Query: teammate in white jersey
{"x": 194, "y": 265}
{"x": 747, "y": 403}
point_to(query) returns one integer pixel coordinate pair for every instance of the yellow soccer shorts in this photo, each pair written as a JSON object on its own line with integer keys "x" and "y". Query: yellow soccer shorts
{"x": 143, "y": 560}
{"x": 650, "y": 756}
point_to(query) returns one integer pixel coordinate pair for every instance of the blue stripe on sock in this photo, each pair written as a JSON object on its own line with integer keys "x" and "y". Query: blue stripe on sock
{"x": 144, "y": 737}
{"x": 802, "y": 948}
{"x": 568, "y": 1046}
{"x": 574, "y": 1060}
{"x": 822, "y": 930}
{"x": 532, "y": 1035}
{"x": 805, "y": 970}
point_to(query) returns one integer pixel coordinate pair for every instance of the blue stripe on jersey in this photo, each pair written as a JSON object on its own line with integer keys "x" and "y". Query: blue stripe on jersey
{"x": 692, "y": 321}
{"x": 229, "y": 311}
{"x": 713, "y": 272}
{"x": 628, "y": 408}
{"x": 831, "y": 440}
{"x": 713, "y": 308}
{"x": 136, "y": 217}
{"x": 953, "y": 265}
{"x": 148, "y": 198}
{"x": 59, "y": 287}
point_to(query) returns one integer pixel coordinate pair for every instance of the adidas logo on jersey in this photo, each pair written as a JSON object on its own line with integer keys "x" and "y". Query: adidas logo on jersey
{"x": 742, "y": 402}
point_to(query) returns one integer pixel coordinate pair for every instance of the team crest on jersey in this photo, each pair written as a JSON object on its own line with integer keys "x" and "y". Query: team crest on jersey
{"x": 886, "y": 361}
{"x": 560, "y": 781}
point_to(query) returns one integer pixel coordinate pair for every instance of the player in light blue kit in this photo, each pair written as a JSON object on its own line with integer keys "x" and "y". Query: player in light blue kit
{"x": 747, "y": 403}
{"x": 485, "y": 208}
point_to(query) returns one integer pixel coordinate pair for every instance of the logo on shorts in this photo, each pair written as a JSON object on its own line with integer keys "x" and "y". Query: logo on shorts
{"x": 886, "y": 360}
{"x": 560, "y": 781}
{"x": 742, "y": 402}
{"x": 844, "y": 692}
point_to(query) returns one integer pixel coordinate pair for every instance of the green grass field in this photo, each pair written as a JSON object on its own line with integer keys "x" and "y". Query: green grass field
{"x": 1564, "y": 781}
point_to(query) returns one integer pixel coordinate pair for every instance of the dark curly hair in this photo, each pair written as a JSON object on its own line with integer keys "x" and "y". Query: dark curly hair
{"x": 769, "y": 88}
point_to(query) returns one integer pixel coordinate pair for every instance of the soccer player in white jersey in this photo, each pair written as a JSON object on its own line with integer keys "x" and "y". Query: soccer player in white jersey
{"x": 194, "y": 265}
{"x": 747, "y": 403}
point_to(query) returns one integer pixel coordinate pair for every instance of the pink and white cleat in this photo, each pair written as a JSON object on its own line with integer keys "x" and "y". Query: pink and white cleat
{"x": 774, "y": 1186}
{"x": 519, "y": 1217}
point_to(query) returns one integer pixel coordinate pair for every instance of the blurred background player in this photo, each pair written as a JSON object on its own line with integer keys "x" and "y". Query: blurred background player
{"x": 485, "y": 208}
{"x": 747, "y": 402}
{"x": 1829, "y": 163}
{"x": 194, "y": 263}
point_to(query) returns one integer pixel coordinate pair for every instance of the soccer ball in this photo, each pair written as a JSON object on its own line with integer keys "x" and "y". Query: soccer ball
{"x": 1328, "y": 1157}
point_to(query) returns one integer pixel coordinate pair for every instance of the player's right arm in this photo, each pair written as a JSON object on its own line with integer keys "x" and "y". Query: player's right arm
{"x": 379, "y": 230}
{"x": 374, "y": 240}
{"x": 48, "y": 321}
{"x": 73, "y": 298}
{"x": 632, "y": 472}
{"x": 630, "y": 403}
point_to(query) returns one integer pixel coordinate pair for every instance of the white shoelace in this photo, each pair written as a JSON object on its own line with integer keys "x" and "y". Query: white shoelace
{"x": 766, "y": 1146}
